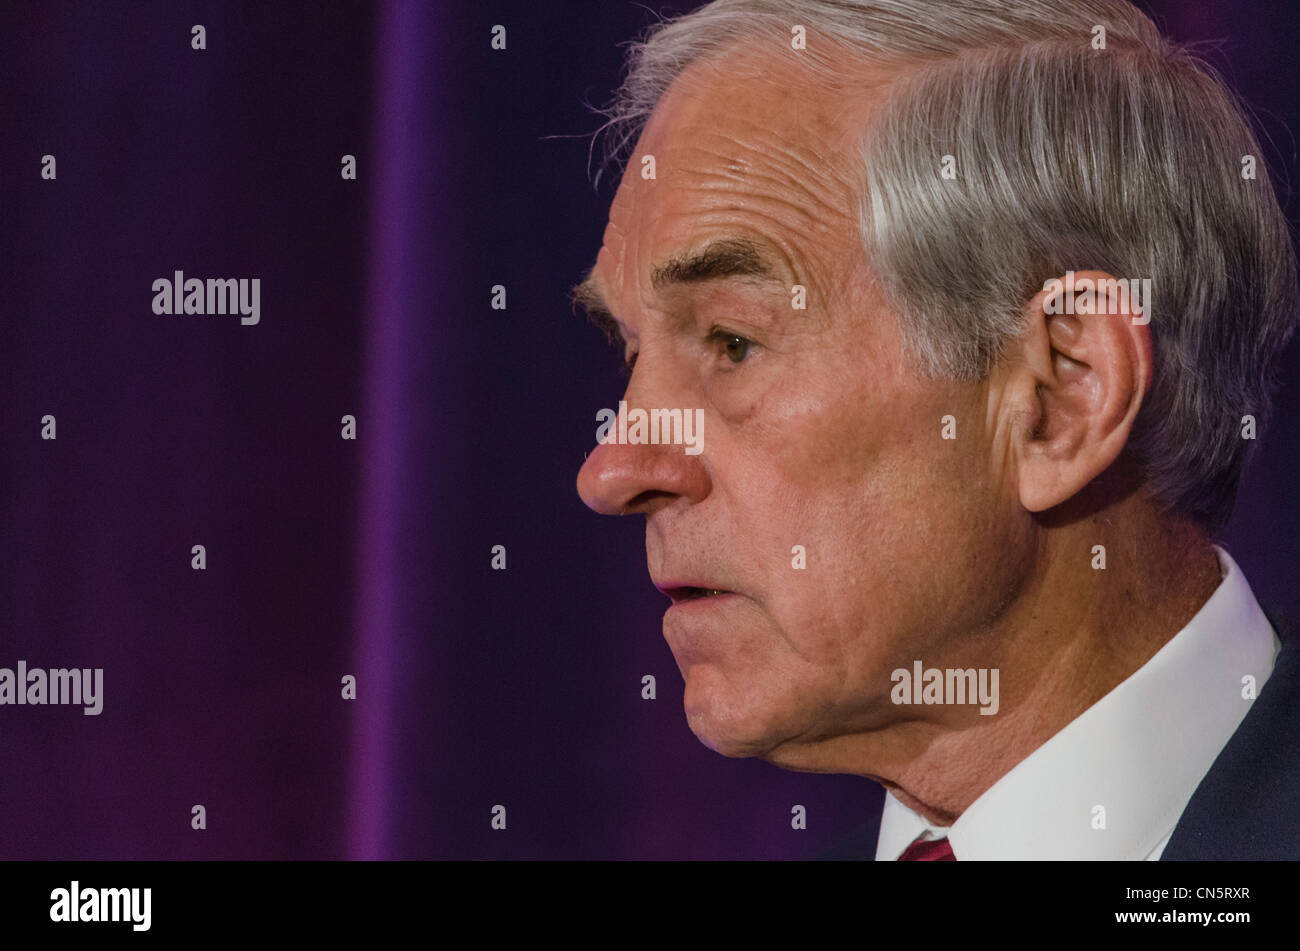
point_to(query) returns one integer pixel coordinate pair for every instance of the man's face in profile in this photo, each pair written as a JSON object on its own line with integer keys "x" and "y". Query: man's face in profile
{"x": 818, "y": 431}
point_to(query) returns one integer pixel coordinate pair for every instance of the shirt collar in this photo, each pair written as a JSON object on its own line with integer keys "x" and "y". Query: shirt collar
{"x": 1113, "y": 782}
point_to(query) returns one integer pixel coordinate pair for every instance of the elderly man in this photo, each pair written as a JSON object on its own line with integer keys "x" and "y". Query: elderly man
{"x": 982, "y": 304}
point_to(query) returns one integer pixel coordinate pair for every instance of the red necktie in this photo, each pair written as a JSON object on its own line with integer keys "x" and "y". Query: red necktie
{"x": 930, "y": 850}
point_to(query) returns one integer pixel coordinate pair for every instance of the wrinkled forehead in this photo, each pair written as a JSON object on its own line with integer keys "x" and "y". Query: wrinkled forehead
{"x": 756, "y": 102}
{"x": 750, "y": 137}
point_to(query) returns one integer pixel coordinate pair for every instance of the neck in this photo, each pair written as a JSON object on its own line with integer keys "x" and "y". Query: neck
{"x": 1073, "y": 634}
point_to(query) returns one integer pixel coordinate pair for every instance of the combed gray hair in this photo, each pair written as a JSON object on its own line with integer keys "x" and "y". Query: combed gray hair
{"x": 1126, "y": 160}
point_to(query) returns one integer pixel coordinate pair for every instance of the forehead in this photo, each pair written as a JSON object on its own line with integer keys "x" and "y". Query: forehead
{"x": 745, "y": 144}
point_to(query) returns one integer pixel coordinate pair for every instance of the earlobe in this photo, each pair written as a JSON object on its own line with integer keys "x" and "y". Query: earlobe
{"x": 1083, "y": 372}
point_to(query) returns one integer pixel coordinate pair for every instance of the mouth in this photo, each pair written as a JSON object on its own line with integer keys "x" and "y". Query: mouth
{"x": 680, "y": 594}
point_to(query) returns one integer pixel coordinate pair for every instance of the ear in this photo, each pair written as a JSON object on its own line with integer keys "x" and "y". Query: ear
{"x": 1085, "y": 366}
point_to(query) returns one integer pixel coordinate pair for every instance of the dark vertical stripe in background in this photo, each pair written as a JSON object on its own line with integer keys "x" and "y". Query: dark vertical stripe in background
{"x": 396, "y": 629}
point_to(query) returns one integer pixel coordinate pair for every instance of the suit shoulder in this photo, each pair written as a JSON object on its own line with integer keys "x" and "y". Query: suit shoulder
{"x": 860, "y": 844}
{"x": 1248, "y": 805}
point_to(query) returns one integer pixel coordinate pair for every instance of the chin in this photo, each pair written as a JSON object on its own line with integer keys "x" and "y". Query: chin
{"x": 733, "y": 727}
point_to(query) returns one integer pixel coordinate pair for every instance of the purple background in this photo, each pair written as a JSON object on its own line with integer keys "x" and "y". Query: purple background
{"x": 327, "y": 557}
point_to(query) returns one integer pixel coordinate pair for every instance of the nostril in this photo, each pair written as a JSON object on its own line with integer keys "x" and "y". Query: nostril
{"x": 643, "y": 500}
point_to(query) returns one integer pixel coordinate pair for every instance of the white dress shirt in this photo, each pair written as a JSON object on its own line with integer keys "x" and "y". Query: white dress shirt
{"x": 1138, "y": 753}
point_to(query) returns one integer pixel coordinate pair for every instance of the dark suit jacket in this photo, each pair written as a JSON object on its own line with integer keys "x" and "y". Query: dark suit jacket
{"x": 1248, "y": 804}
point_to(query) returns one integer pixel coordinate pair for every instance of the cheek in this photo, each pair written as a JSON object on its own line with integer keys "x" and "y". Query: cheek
{"x": 855, "y": 472}
{"x": 829, "y": 419}
{"x": 805, "y": 471}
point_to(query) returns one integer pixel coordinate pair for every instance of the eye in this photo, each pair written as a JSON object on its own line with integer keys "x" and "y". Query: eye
{"x": 733, "y": 345}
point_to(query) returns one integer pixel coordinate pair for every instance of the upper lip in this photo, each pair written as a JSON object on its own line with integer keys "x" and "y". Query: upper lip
{"x": 680, "y": 590}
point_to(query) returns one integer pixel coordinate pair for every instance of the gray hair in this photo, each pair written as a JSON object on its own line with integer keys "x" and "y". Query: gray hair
{"x": 1126, "y": 160}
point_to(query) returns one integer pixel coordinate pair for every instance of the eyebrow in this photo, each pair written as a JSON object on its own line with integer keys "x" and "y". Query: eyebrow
{"x": 728, "y": 257}
{"x": 723, "y": 258}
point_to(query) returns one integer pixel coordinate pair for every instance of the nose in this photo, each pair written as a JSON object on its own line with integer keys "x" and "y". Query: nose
{"x": 622, "y": 479}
